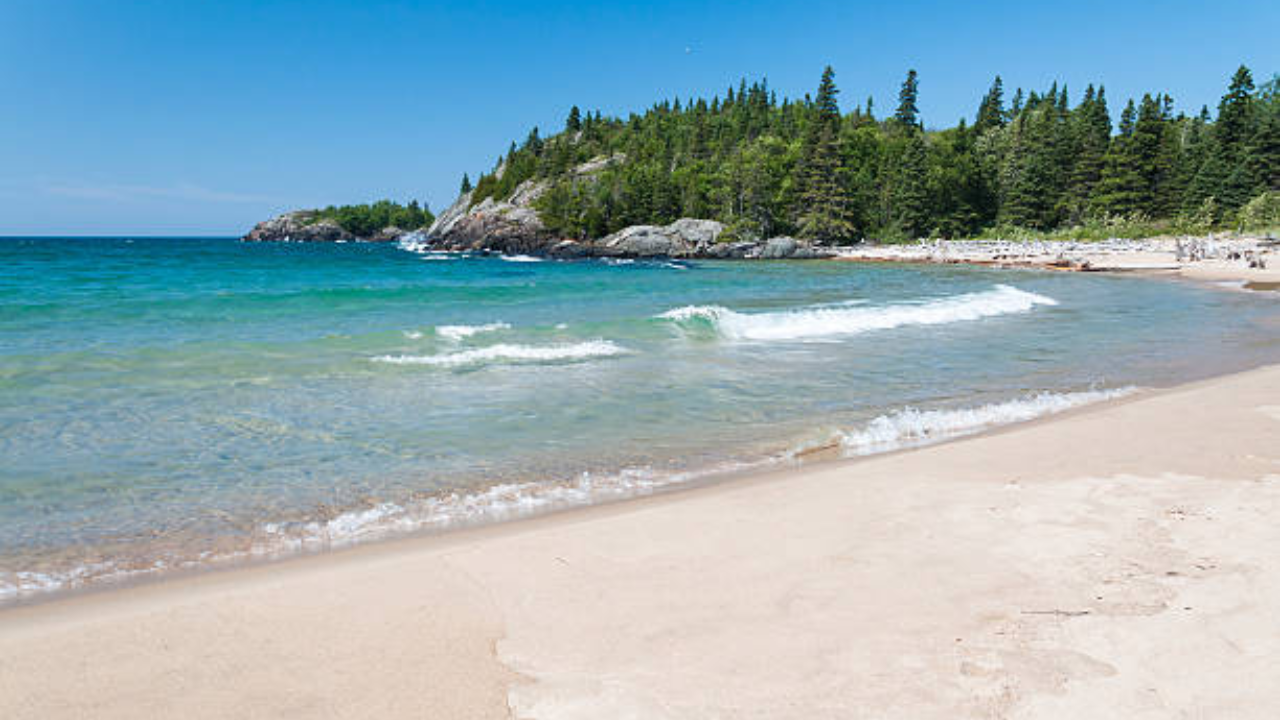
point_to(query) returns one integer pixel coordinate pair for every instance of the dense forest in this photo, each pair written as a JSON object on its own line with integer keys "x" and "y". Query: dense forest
{"x": 365, "y": 220}
{"x": 1031, "y": 162}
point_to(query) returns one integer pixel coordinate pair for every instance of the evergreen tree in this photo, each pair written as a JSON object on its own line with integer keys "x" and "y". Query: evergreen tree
{"x": 1089, "y": 136}
{"x": 824, "y": 204}
{"x": 910, "y": 198}
{"x": 1120, "y": 189}
{"x": 466, "y": 184}
{"x": 908, "y": 114}
{"x": 1263, "y": 151}
{"x": 1235, "y": 114}
{"x": 991, "y": 110}
{"x": 574, "y": 122}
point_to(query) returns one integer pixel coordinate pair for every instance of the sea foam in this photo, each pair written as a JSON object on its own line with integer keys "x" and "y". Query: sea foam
{"x": 461, "y": 332}
{"x": 814, "y": 322}
{"x": 504, "y": 353}
{"x": 911, "y": 428}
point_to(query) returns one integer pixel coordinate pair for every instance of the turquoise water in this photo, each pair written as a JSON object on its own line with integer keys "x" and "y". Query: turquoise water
{"x": 165, "y": 402}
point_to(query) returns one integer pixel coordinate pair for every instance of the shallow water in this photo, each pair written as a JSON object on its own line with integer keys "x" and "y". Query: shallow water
{"x": 166, "y": 401}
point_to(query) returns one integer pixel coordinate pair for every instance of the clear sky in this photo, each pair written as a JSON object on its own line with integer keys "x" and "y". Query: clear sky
{"x": 202, "y": 117}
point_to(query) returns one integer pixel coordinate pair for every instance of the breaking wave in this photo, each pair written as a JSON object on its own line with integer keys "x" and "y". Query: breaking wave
{"x": 460, "y": 332}
{"x": 911, "y": 428}
{"x": 826, "y": 321}
{"x": 504, "y": 353}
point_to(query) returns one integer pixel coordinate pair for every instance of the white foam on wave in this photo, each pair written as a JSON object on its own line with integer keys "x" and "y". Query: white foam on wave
{"x": 511, "y": 353}
{"x": 461, "y": 509}
{"x": 521, "y": 258}
{"x": 823, "y": 321}
{"x": 911, "y": 428}
{"x": 461, "y": 332}
{"x": 414, "y": 242}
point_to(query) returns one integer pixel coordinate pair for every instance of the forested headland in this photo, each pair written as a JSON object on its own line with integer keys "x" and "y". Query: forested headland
{"x": 1036, "y": 162}
{"x": 365, "y": 219}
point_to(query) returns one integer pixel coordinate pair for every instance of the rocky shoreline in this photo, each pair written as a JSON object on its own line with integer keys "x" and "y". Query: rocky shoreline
{"x": 1253, "y": 262}
{"x": 513, "y": 227}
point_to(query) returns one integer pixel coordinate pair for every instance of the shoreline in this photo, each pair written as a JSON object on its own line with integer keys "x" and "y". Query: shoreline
{"x": 498, "y": 591}
{"x": 798, "y": 458}
{"x": 1212, "y": 273}
{"x": 1205, "y": 259}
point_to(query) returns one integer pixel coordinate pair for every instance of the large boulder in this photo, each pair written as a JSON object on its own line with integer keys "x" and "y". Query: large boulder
{"x": 683, "y": 238}
{"x": 788, "y": 248}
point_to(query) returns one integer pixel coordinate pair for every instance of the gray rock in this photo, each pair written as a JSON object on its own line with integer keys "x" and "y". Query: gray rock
{"x": 595, "y": 165}
{"x": 789, "y": 248}
{"x": 779, "y": 247}
{"x": 639, "y": 241}
{"x": 298, "y": 226}
{"x": 683, "y": 238}
{"x": 388, "y": 234}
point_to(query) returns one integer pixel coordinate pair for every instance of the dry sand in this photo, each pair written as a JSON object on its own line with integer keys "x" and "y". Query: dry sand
{"x": 1122, "y": 561}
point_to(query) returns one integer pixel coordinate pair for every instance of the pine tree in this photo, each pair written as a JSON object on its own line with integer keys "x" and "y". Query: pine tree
{"x": 1120, "y": 189}
{"x": 1235, "y": 114}
{"x": 910, "y": 197}
{"x": 991, "y": 111}
{"x": 574, "y": 122}
{"x": 824, "y": 211}
{"x": 1263, "y": 151}
{"x": 466, "y": 184}
{"x": 908, "y": 114}
{"x": 1090, "y": 134}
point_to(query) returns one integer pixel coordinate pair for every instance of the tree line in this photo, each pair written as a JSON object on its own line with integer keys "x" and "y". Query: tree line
{"x": 1030, "y": 163}
{"x": 366, "y": 219}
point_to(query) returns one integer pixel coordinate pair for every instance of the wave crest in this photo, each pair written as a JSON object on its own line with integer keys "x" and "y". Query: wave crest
{"x": 504, "y": 353}
{"x": 911, "y": 428}
{"x": 460, "y": 332}
{"x": 852, "y": 320}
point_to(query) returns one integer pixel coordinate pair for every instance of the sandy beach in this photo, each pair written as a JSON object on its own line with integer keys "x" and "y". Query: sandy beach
{"x": 1117, "y": 561}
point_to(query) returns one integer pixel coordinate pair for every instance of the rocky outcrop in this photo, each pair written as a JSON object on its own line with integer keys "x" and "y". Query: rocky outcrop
{"x": 299, "y": 226}
{"x": 512, "y": 227}
{"x": 302, "y": 226}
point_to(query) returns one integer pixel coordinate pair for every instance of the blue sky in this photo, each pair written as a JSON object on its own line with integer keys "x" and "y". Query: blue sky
{"x": 185, "y": 117}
